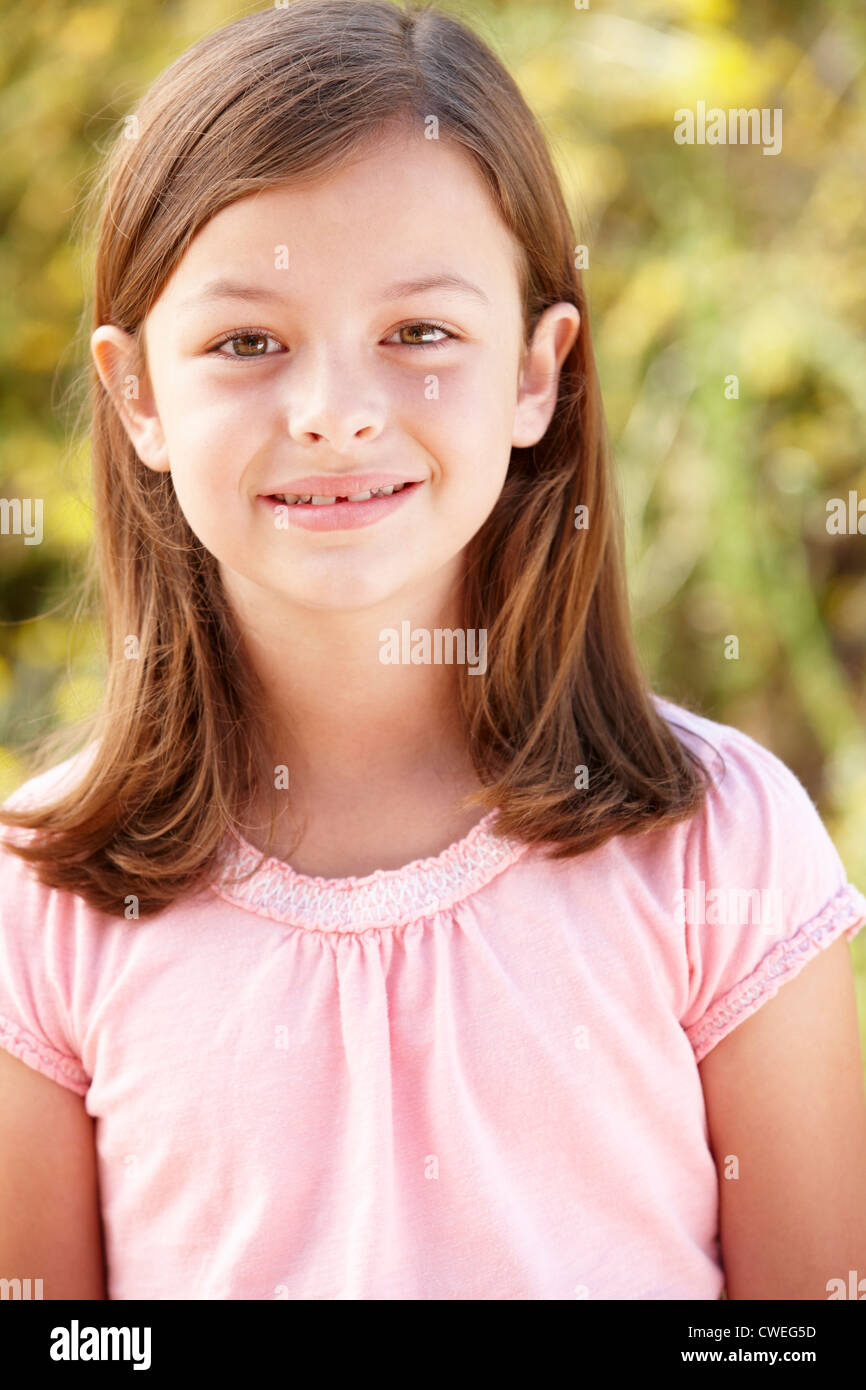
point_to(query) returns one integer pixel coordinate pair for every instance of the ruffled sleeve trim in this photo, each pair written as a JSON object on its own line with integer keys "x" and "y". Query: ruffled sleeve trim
{"x": 22, "y": 1044}
{"x": 846, "y": 911}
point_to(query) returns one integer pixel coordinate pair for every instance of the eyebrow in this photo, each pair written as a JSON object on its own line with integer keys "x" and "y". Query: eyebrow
{"x": 400, "y": 289}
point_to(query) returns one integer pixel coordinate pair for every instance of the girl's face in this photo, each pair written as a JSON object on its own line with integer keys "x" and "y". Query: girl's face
{"x": 344, "y": 365}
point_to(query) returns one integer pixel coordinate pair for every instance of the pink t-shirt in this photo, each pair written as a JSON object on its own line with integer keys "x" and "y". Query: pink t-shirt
{"x": 474, "y": 1077}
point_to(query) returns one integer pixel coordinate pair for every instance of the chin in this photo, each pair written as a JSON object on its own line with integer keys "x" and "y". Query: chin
{"x": 345, "y": 595}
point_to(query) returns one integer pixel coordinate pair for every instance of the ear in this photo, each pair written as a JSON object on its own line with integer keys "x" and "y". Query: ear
{"x": 554, "y": 336}
{"x": 114, "y": 353}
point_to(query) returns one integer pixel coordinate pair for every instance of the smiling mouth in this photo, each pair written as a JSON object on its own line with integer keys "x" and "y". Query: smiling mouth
{"x": 310, "y": 500}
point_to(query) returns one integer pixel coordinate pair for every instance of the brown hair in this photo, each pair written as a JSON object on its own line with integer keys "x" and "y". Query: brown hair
{"x": 178, "y": 745}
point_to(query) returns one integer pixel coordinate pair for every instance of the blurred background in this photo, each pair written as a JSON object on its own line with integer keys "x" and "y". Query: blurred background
{"x": 704, "y": 263}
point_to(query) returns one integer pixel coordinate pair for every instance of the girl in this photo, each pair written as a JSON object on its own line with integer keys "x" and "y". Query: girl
{"x": 282, "y": 1017}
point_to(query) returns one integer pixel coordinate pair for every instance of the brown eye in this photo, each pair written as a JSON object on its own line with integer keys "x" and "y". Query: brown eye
{"x": 421, "y": 328}
{"x": 250, "y": 340}
{"x": 247, "y": 340}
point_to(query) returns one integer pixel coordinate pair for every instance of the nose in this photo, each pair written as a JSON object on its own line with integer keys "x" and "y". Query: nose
{"x": 332, "y": 399}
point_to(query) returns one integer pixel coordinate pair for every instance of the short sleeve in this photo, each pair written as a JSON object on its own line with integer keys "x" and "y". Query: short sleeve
{"x": 764, "y": 890}
{"x": 37, "y": 963}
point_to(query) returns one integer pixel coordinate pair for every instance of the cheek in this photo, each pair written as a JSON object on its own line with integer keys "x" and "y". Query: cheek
{"x": 211, "y": 439}
{"x": 469, "y": 488}
{"x": 210, "y": 518}
{"x": 204, "y": 406}
{"x": 470, "y": 438}
{"x": 480, "y": 401}
{"x": 206, "y": 469}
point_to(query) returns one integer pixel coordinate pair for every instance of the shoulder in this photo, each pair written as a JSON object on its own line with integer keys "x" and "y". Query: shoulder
{"x": 41, "y": 789}
{"x": 758, "y": 830}
{"x": 52, "y": 781}
{"x": 758, "y": 819}
{"x": 761, "y": 888}
{"x": 47, "y": 945}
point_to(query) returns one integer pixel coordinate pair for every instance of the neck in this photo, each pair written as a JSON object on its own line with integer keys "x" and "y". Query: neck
{"x": 343, "y": 722}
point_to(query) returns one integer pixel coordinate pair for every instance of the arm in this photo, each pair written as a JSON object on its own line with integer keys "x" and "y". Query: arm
{"x": 50, "y": 1226}
{"x": 784, "y": 1093}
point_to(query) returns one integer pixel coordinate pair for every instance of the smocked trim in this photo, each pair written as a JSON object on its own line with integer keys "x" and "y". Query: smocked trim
{"x": 29, "y": 1049}
{"x": 387, "y": 898}
{"x": 845, "y": 911}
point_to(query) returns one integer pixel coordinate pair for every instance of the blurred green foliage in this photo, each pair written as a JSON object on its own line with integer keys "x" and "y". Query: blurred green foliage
{"x": 705, "y": 261}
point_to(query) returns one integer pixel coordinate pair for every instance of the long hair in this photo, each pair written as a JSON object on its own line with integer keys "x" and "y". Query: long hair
{"x": 177, "y": 746}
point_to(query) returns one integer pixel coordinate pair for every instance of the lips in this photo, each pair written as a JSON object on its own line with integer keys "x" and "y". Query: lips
{"x": 320, "y": 500}
{"x": 338, "y": 484}
{"x": 325, "y": 514}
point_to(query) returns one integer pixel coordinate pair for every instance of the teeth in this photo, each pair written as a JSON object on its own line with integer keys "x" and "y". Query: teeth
{"x": 292, "y": 499}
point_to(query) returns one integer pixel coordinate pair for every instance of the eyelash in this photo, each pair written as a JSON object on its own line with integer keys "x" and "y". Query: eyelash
{"x": 239, "y": 333}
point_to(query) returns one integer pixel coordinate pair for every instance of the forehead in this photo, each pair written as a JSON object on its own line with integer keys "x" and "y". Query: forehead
{"x": 403, "y": 206}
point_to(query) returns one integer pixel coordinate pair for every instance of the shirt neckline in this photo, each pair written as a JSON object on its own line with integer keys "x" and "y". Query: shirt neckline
{"x": 386, "y": 898}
